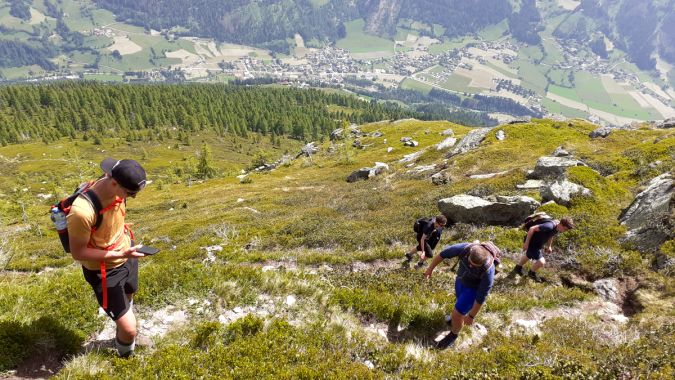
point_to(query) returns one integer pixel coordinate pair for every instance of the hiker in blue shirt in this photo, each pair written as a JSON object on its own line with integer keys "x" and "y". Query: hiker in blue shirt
{"x": 428, "y": 232}
{"x": 475, "y": 277}
{"x": 537, "y": 237}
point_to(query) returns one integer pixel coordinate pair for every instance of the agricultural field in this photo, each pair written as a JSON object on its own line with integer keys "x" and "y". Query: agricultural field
{"x": 364, "y": 45}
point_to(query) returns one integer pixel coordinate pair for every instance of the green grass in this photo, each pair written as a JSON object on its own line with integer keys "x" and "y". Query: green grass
{"x": 458, "y": 83}
{"x": 358, "y": 41}
{"x": 308, "y": 216}
{"x": 104, "y": 77}
{"x": 494, "y": 32}
{"x": 558, "y": 108}
{"x": 448, "y": 45}
{"x": 411, "y": 84}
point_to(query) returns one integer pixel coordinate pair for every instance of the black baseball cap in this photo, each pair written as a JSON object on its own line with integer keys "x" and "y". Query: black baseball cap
{"x": 128, "y": 173}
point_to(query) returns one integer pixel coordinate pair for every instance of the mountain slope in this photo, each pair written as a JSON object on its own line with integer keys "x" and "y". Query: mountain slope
{"x": 296, "y": 272}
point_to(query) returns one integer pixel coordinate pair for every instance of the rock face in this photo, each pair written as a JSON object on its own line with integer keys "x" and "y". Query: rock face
{"x": 562, "y": 191}
{"x": 553, "y": 167}
{"x": 470, "y": 141}
{"x": 666, "y": 124}
{"x": 608, "y": 289}
{"x": 530, "y": 184}
{"x": 365, "y": 173}
{"x": 649, "y": 217}
{"x": 498, "y": 210}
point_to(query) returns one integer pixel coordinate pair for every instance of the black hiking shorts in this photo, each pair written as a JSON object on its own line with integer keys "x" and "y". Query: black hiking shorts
{"x": 121, "y": 281}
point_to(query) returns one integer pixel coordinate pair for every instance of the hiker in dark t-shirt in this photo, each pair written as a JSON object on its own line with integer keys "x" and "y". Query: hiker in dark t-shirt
{"x": 540, "y": 237}
{"x": 475, "y": 278}
{"x": 428, "y": 235}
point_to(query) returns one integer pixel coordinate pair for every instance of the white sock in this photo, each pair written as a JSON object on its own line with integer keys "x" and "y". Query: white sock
{"x": 123, "y": 349}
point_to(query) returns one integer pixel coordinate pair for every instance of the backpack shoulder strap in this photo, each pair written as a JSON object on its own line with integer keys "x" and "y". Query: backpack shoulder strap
{"x": 91, "y": 197}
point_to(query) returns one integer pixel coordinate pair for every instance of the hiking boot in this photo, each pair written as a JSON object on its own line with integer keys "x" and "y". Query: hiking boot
{"x": 420, "y": 264}
{"x": 518, "y": 270}
{"x": 447, "y": 341}
{"x": 534, "y": 277}
{"x": 408, "y": 257}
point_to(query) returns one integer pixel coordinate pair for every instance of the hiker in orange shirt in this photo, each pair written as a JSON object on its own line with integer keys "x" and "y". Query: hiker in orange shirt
{"x": 101, "y": 241}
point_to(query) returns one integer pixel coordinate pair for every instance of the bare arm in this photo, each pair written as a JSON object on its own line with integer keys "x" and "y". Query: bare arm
{"x": 80, "y": 251}
{"x": 437, "y": 260}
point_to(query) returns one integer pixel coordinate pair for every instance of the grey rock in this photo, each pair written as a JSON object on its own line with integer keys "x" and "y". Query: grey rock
{"x": 530, "y": 184}
{"x": 649, "y": 217}
{"x": 412, "y": 157}
{"x": 561, "y": 152}
{"x": 553, "y": 167}
{"x": 406, "y": 139}
{"x": 666, "y": 124}
{"x": 448, "y": 132}
{"x": 365, "y": 173}
{"x": 440, "y": 178}
{"x": 470, "y": 141}
{"x": 562, "y": 192}
{"x": 600, "y": 132}
{"x": 411, "y": 143}
{"x": 449, "y": 142}
{"x": 501, "y": 210}
{"x": 488, "y": 175}
{"x": 608, "y": 289}
{"x": 308, "y": 150}
{"x": 339, "y": 133}
{"x": 377, "y": 134}
{"x": 390, "y": 149}
{"x": 501, "y": 136}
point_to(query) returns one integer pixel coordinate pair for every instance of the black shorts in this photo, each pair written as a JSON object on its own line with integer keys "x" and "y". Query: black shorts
{"x": 121, "y": 281}
{"x": 533, "y": 254}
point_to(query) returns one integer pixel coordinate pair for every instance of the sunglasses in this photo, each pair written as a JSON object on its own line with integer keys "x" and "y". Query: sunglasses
{"x": 129, "y": 192}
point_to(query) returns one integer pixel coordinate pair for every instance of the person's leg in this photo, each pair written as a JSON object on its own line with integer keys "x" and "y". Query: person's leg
{"x": 465, "y": 299}
{"x": 522, "y": 260}
{"x": 538, "y": 264}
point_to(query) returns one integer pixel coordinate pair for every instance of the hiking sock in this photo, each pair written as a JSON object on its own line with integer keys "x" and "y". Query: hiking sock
{"x": 123, "y": 349}
{"x": 447, "y": 341}
{"x": 518, "y": 270}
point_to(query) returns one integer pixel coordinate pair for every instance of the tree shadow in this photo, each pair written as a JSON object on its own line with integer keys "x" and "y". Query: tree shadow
{"x": 36, "y": 349}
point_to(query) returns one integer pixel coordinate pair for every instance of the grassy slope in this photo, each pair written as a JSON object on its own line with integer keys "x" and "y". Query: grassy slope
{"x": 308, "y": 215}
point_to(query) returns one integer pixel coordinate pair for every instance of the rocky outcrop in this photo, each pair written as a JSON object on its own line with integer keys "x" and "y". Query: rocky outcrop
{"x": 339, "y": 133}
{"x": 553, "y": 167}
{"x": 500, "y": 210}
{"x": 562, "y": 191}
{"x": 448, "y": 132}
{"x": 470, "y": 141}
{"x": 408, "y": 141}
{"x": 365, "y": 173}
{"x": 605, "y": 131}
{"x": 449, "y": 142}
{"x": 666, "y": 124}
{"x": 308, "y": 150}
{"x": 649, "y": 218}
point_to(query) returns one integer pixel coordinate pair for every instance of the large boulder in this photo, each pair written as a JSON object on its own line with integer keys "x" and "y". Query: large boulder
{"x": 600, "y": 132}
{"x": 365, "y": 173}
{"x": 562, "y": 191}
{"x": 440, "y": 178}
{"x": 649, "y": 218}
{"x": 500, "y": 210}
{"x": 470, "y": 141}
{"x": 553, "y": 167}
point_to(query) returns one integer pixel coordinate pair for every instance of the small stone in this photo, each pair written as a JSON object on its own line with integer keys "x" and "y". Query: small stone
{"x": 290, "y": 300}
{"x": 238, "y": 310}
{"x": 390, "y": 149}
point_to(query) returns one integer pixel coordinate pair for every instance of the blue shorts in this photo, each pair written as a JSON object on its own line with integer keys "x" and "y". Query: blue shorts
{"x": 465, "y": 297}
{"x": 533, "y": 254}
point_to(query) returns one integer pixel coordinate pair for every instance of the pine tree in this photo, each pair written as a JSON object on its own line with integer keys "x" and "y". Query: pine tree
{"x": 205, "y": 168}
